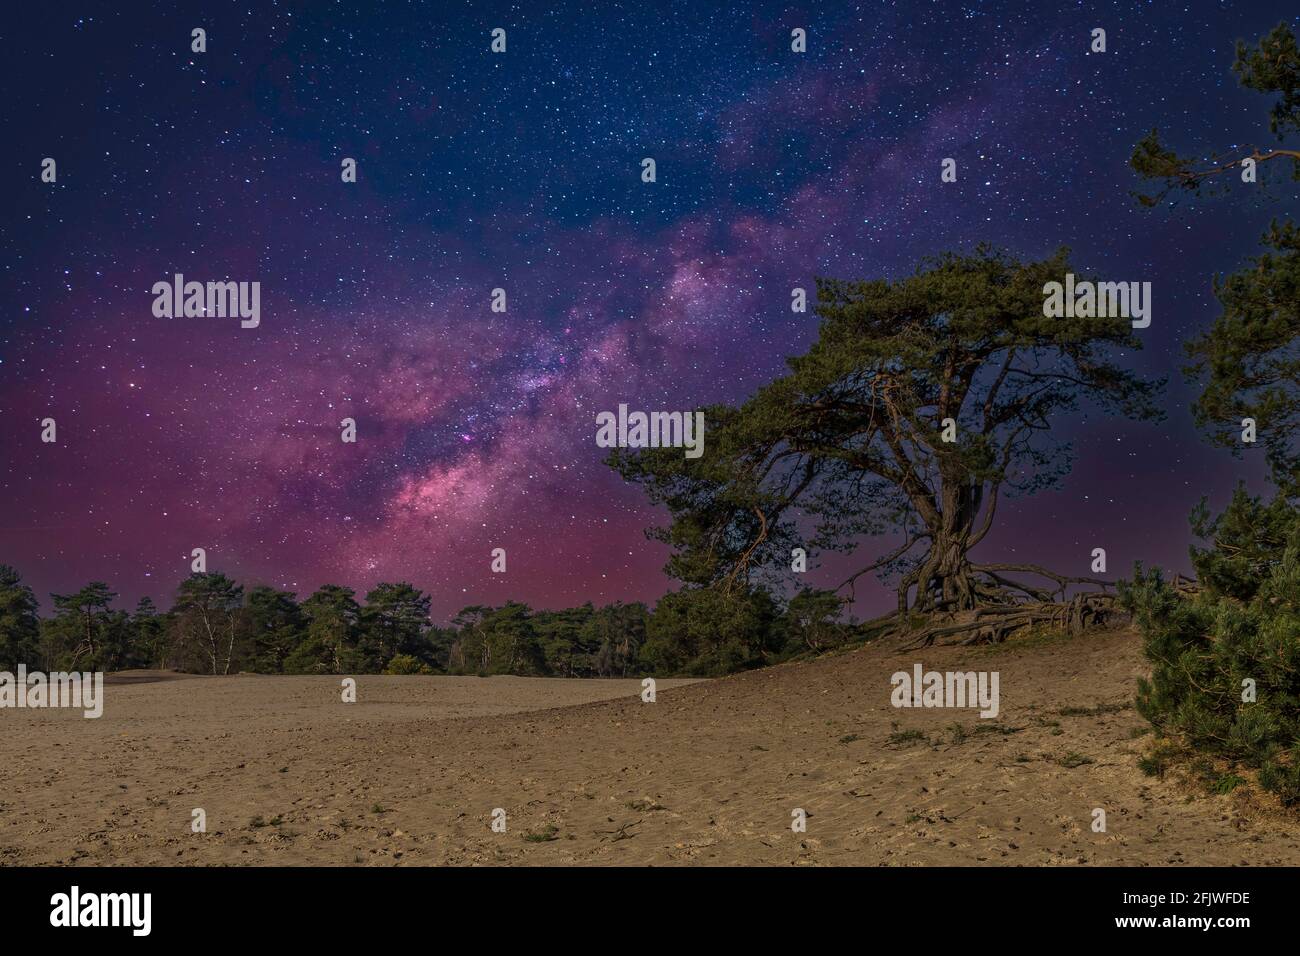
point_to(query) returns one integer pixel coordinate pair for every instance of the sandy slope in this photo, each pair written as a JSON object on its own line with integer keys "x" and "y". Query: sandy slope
{"x": 707, "y": 774}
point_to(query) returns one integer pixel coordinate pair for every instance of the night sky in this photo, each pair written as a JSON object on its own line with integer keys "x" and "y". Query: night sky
{"x": 522, "y": 171}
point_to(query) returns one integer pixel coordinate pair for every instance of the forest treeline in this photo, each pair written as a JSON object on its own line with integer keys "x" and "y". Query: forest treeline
{"x": 217, "y": 626}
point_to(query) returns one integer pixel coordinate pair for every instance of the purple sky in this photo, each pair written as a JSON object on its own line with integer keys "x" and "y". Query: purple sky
{"x": 521, "y": 171}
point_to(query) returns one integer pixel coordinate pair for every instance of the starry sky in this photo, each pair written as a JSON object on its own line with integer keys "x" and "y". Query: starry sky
{"x": 522, "y": 171}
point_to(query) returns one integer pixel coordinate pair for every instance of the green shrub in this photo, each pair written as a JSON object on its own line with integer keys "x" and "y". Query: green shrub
{"x": 1244, "y": 626}
{"x": 404, "y": 664}
{"x": 704, "y": 632}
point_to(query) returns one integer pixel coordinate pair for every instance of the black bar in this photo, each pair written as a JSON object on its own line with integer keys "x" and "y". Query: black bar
{"x": 214, "y": 905}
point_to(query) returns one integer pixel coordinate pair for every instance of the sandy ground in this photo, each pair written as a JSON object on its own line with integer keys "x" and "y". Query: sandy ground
{"x": 587, "y": 773}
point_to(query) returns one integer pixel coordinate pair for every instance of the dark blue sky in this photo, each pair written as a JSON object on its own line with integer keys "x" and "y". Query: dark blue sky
{"x": 521, "y": 171}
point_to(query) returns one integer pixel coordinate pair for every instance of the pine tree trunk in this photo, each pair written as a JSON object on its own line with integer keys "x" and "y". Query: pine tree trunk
{"x": 944, "y": 579}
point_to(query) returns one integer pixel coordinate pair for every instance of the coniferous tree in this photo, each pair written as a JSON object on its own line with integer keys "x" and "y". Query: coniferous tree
{"x": 856, "y": 438}
{"x": 79, "y": 625}
{"x": 395, "y": 620}
{"x": 707, "y": 632}
{"x": 205, "y": 619}
{"x": 150, "y": 638}
{"x": 333, "y": 641}
{"x": 276, "y": 628}
{"x": 1225, "y": 660}
{"x": 19, "y": 623}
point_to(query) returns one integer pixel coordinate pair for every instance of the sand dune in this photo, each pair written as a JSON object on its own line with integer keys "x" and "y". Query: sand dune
{"x": 588, "y": 774}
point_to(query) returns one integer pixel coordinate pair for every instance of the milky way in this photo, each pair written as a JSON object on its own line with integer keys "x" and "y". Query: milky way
{"x": 521, "y": 171}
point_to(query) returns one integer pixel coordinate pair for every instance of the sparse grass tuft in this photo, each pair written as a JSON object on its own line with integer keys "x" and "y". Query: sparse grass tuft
{"x": 545, "y": 835}
{"x": 1074, "y": 759}
{"x": 645, "y": 806}
{"x": 1096, "y": 710}
{"x": 906, "y": 738}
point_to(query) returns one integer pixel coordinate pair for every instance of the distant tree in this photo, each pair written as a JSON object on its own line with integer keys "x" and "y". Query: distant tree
{"x": 470, "y": 652}
{"x": 332, "y": 645}
{"x": 206, "y": 619}
{"x": 515, "y": 650}
{"x": 84, "y": 614}
{"x": 498, "y": 641}
{"x": 442, "y": 641}
{"x": 567, "y": 640}
{"x": 395, "y": 620}
{"x": 618, "y": 632}
{"x": 117, "y": 650}
{"x": 19, "y": 623}
{"x": 56, "y": 640}
{"x": 150, "y": 641}
{"x": 707, "y": 632}
{"x": 276, "y": 627}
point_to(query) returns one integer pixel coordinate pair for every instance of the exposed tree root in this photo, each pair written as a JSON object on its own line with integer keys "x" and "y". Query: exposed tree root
{"x": 1005, "y": 606}
{"x": 995, "y": 623}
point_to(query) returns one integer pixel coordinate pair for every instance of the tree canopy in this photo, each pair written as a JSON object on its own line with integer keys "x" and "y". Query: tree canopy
{"x": 923, "y": 402}
{"x": 1247, "y": 363}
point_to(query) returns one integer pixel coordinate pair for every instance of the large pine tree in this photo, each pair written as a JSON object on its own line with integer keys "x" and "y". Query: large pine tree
{"x": 923, "y": 403}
